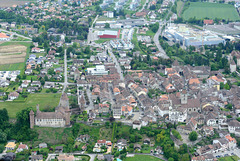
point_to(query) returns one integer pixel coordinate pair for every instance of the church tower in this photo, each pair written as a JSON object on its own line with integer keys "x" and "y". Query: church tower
{"x": 31, "y": 115}
{"x": 183, "y": 97}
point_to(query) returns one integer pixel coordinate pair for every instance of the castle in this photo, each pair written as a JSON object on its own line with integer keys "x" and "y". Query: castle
{"x": 59, "y": 118}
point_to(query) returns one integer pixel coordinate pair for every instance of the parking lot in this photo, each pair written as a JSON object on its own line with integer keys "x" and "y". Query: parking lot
{"x": 227, "y": 153}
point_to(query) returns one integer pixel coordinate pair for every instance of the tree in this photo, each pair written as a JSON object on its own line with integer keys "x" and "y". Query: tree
{"x": 193, "y": 136}
{"x": 3, "y": 136}
{"x": 226, "y": 86}
{"x": 107, "y": 25}
{"x": 1, "y": 148}
{"x": 170, "y": 159}
{"x": 229, "y": 106}
{"x": 221, "y": 85}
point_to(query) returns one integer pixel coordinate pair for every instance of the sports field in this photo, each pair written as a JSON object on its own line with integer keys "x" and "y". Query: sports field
{"x": 201, "y": 10}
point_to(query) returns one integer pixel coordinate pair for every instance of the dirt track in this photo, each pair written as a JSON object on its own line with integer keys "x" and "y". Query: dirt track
{"x": 10, "y": 54}
{"x": 4, "y": 50}
{"x": 10, "y": 3}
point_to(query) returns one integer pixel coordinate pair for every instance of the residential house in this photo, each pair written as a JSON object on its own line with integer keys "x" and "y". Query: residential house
{"x": 137, "y": 124}
{"x": 103, "y": 108}
{"x": 121, "y": 143}
{"x": 10, "y": 156}
{"x": 42, "y": 145}
{"x": 28, "y": 71}
{"x": 137, "y": 147}
{"x": 83, "y": 138}
{"x": 32, "y": 89}
{"x": 22, "y": 147}
{"x": 36, "y": 158}
{"x": 11, "y": 145}
{"x": 36, "y": 83}
{"x": 13, "y": 95}
{"x": 24, "y": 84}
{"x": 127, "y": 110}
{"x": 147, "y": 141}
{"x": 49, "y": 85}
{"x": 36, "y": 50}
{"x": 101, "y": 143}
{"x": 59, "y": 149}
{"x": 66, "y": 157}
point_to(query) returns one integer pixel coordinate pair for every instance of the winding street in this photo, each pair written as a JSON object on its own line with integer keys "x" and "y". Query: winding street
{"x": 162, "y": 53}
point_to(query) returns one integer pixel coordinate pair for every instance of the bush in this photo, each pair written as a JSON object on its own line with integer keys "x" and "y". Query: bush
{"x": 176, "y": 134}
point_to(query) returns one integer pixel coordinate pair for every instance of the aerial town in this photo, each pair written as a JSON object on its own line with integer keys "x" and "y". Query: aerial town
{"x": 119, "y": 80}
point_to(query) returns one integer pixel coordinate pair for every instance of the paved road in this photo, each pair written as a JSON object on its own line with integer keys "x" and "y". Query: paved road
{"x": 91, "y": 35}
{"x": 52, "y": 156}
{"x": 156, "y": 37}
{"x": 14, "y": 33}
{"x": 156, "y": 41}
{"x": 116, "y": 62}
{"x": 65, "y": 72}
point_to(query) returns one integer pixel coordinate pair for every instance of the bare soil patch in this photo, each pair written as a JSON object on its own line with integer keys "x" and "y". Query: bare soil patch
{"x": 12, "y": 54}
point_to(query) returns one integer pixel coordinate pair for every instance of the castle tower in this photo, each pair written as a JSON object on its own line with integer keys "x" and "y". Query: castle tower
{"x": 31, "y": 115}
{"x": 67, "y": 117}
{"x": 183, "y": 97}
{"x": 64, "y": 101}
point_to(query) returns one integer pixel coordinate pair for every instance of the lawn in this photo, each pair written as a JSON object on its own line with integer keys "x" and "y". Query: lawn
{"x": 179, "y": 6}
{"x": 202, "y": 10}
{"x": 142, "y": 158}
{"x": 46, "y": 100}
{"x": 11, "y": 67}
{"x": 100, "y": 41}
{"x": 229, "y": 158}
{"x": 135, "y": 42}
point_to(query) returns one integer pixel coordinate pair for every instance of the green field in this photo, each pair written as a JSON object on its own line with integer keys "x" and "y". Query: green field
{"x": 229, "y": 158}
{"x": 201, "y": 10}
{"x": 45, "y": 100}
{"x": 142, "y": 158}
{"x": 11, "y": 67}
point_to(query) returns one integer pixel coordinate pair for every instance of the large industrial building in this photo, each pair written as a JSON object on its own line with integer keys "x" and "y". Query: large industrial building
{"x": 191, "y": 37}
{"x": 109, "y": 34}
{"x": 127, "y": 23}
{"x": 225, "y": 29}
